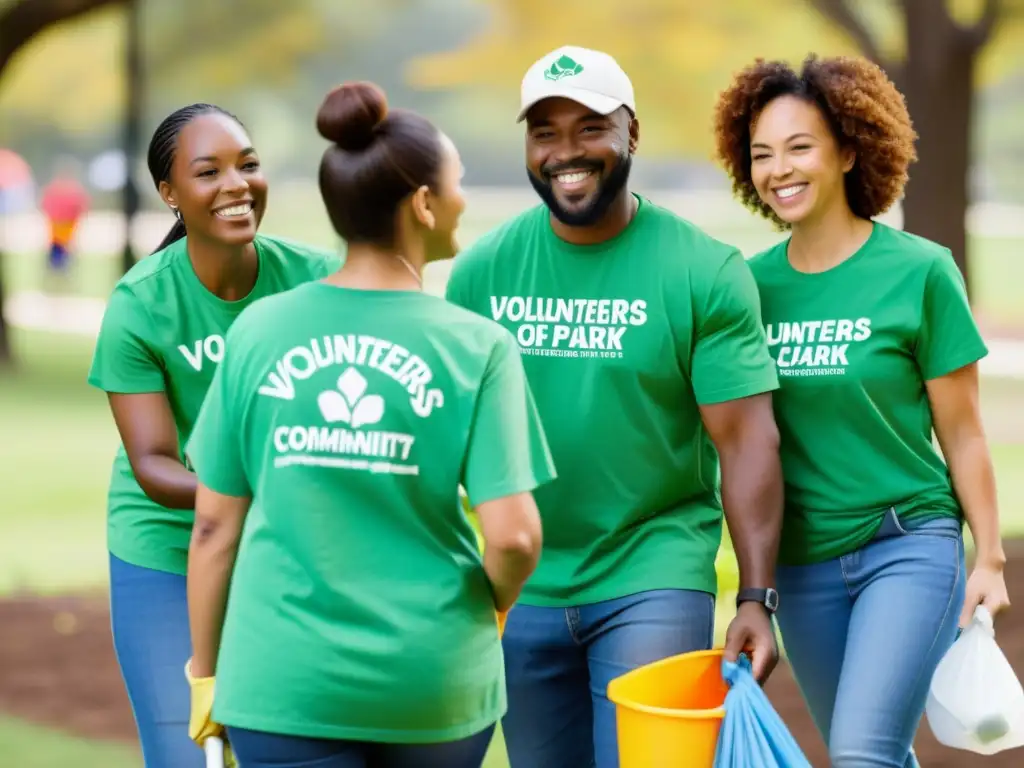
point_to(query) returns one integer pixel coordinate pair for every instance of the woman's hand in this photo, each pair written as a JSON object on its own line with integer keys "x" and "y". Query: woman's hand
{"x": 201, "y": 725}
{"x": 987, "y": 587}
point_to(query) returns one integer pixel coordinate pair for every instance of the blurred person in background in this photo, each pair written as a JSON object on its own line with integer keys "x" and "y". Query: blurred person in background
{"x": 17, "y": 187}
{"x": 161, "y": 340}
{"x": 64, "y": 202}
{"x": 361, "y": 629}
{"x": 876, "y": 346}
{"x": 17, "y": 196}
{"x": 643, "y": 345}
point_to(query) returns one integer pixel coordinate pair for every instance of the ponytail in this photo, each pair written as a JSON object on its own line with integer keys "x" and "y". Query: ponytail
{"x": 177, "y": 232}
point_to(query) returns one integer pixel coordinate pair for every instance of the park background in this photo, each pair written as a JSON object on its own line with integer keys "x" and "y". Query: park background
{"x": 83, "y": 83}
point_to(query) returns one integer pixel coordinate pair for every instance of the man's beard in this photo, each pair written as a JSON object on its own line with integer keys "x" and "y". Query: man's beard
{"x": 608, "y": 189}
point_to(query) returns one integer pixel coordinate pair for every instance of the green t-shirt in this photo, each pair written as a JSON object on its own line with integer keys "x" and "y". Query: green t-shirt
{"x": 359, "y": 606}
{"x": 621, "y": 342}
{"x": 854, "y": 347}
{"x": 163, "y": 331}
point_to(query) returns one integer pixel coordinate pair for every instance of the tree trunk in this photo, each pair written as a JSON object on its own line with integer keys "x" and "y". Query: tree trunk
{"x": 22, "y": 20}
{"x": 938, "y": 82}
{"x": 6, "y": 353}
{"x": 937, "y": 79}
{"x": 132, "y": 125}
{"x": 19, "y": 23}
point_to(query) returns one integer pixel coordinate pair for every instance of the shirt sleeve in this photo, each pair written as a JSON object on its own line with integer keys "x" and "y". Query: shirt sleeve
{"x": 508, "y": 451}
{"x": 730, "y": 357}
{"x": 124, "y": 361}
{"x": 214, "y": 449}
{"x": 949, "y": 337}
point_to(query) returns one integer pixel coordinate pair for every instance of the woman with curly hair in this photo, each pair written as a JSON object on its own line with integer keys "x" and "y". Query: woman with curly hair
{"x": 875, "y": 346}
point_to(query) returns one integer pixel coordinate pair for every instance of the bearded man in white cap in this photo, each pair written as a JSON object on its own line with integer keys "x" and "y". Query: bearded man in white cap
{"x": 642, "y": 340}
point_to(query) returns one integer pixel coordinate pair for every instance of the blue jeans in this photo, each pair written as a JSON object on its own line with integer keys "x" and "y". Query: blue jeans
{"x": 256, "y": 749}
{"x": 559, "y": 661}
{"x": 865, "y": 632}
{"x": 149, "y": 619}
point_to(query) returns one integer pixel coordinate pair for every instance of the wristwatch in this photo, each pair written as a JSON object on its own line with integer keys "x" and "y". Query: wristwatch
{"x": 769, "y": 598}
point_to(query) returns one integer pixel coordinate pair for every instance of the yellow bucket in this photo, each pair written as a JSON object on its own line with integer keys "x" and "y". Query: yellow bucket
{"x": 669, "y": 713}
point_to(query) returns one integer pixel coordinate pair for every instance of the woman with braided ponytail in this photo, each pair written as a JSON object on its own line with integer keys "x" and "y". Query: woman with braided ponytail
{"x": 161, "y": 340}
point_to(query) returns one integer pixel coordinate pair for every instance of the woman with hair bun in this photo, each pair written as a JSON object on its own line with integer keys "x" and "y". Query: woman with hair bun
{"x": 875, "y": 346}
{"x": 360, "y": 630}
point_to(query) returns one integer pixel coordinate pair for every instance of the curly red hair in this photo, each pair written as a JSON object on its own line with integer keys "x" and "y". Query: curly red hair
{"x": 864, "y": 109}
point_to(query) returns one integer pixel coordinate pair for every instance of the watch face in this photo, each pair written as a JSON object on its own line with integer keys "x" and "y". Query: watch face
{"x": 769, "y": 598}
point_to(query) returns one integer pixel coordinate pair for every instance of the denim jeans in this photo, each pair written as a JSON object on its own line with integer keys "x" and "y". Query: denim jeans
{"x": 149, "y": 619}
{"x": 255, "y": 749}
{"x": 865, "y": 632}
{"x": 559, "y": 661}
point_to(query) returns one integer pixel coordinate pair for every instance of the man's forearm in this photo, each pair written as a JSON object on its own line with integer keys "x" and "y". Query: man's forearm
{"x": 752, "y": 496}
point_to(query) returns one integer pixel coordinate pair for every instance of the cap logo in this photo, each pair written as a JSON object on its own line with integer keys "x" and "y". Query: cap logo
{"x": 562, "y": 68}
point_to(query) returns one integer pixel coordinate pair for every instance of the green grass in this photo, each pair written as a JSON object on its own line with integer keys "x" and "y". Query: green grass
{"x": 55, "y": 492}
{"x": 26, "y": 745}
{"x": 30, "y": 746}
{"x": 997, "y": 272}
{"x": 296, "y": 211}
{"x": 1009, "y": 463}
{"x": 57, "y": 461}
{"x": 496, "y": 755}
{"x": 53, "y": 532}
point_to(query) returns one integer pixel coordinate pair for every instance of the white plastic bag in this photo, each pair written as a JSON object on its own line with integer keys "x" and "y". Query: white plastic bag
{"x": 976, "y": 702}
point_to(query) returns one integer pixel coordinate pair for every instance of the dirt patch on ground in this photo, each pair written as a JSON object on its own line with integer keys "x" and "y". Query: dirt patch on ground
{"x": 57, "y": 667}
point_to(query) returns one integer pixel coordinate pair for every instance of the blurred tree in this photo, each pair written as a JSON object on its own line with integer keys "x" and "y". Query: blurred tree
{"x": 6, "y": 352}
{"x": 679, "y": 54}
{"x": 20, "y": 22}
{"x": 192, "y": 49}
{"x": 1000, "y": 141}
{"x": 134, "y": 104}
{"x": 935, "y": 62}
{"x": 271, "y": 65}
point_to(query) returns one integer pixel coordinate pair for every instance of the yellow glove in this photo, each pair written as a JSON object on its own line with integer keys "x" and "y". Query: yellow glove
{"x": 200, "y": 724}
{"x": 502, "y": 618}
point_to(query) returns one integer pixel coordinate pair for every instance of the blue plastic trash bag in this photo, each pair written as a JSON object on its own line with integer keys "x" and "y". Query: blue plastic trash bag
{"x": 753, "y": 735}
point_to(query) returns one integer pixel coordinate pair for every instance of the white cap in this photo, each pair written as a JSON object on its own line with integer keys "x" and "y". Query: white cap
{"x": 591, "y": 78}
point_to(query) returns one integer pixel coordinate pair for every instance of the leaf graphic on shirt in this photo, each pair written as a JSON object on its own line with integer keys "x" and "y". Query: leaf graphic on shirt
{"x": 349, "y": 403}
{"x": 369, "y": 410}
{"x": 352, "y": 385}
{"x": 333, "y": 407}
